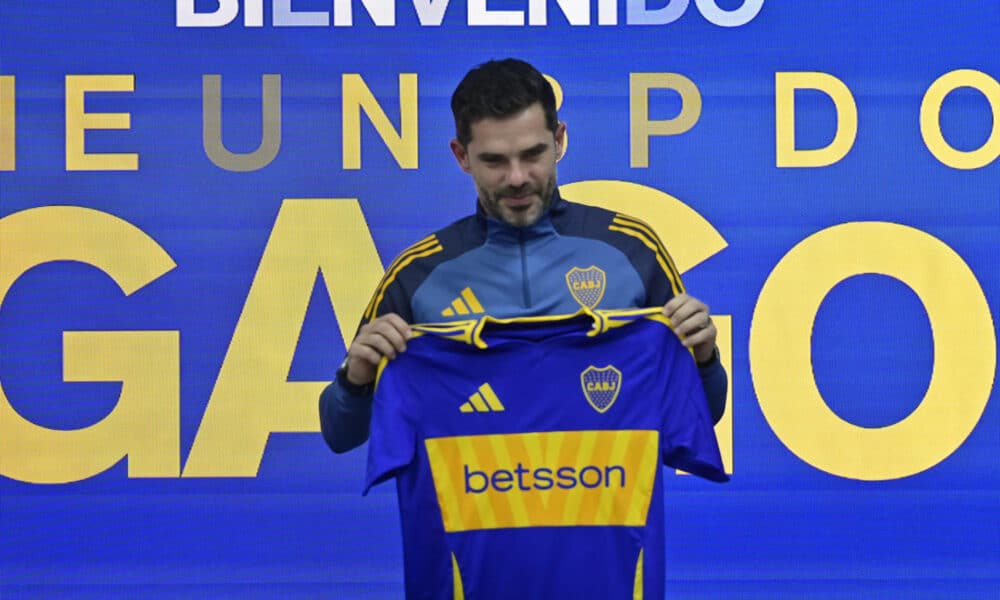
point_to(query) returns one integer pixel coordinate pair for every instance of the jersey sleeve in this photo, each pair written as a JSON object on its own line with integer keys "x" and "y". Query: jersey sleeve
{"x": 392, "y": 446}
{"x": 687, "y": 436}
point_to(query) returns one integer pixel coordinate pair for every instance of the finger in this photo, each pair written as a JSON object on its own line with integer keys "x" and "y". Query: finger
{"x": 673, "y": 304}
{"x": 686, "y": 323}
{"x": 379, "y": 344}
{"x": 363, "y": 357}
{"x": 705, "y": 335}
{"x": 391, "y": 332}
{"x": 686, "y": 309}
{"x": 695, "y": 324}
{"x": 398, "y": 324}
{"x": 692, "y": 309}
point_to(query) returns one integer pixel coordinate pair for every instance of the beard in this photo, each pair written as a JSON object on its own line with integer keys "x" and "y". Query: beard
{"x": 519, "y": 216}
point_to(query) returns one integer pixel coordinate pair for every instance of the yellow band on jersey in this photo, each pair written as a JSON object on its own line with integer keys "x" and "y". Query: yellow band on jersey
{"x": 557, "y": 478}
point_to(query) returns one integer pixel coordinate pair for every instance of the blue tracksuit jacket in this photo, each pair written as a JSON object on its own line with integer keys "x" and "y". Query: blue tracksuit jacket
{"x": 576, "y": 255}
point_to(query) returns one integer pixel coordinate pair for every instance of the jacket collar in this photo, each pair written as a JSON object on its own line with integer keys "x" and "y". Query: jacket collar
{"x": 497, "y": 230}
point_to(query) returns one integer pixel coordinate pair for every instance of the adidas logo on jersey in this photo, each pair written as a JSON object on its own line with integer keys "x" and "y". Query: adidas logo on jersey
{"x": 484, "y": 400}
{"x": 465, "y": 304}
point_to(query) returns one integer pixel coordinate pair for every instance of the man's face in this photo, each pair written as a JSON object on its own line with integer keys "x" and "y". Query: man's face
{"x": 513, "y": 164}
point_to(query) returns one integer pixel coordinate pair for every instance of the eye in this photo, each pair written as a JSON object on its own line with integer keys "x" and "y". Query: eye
{"x": 534, "y": 153}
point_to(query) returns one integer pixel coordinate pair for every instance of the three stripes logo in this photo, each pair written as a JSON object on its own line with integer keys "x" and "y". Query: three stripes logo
{"x": 485, "y": 400}
{"x": 465, "y": 304}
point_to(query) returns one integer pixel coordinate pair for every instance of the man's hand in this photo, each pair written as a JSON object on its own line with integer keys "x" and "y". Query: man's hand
{"x": 693, "y": 325}
{"x": 385, "y": 336}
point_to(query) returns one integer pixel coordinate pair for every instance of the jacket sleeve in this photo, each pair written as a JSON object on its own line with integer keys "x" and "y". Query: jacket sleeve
{"x": 345, "y": 410}
{"x": 345, "y": 415}
{"x": 716, "y": 383}
{"x": 663, "y": 281}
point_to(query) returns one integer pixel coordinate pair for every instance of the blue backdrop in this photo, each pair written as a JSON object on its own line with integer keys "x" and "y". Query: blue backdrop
{"x": 196, "y": 199}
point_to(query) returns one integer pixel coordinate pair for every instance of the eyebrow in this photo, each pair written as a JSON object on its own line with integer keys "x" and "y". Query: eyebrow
{"x": 532, "y": 151}
{"x": 536, "y": 149}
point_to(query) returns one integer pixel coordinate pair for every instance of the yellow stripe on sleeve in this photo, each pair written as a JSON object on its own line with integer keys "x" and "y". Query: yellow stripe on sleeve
{"x": 675, "y": 281}
{"x": 644, "y": 227}
{"x": 420, "y": 245}
{"x": 402, "y": 261}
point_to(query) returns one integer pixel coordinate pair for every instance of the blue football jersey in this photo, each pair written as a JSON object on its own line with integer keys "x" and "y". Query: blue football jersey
{"x": 527, "y": 453}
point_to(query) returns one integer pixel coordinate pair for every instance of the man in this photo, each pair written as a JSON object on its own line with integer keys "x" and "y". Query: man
{"x": 526, "y": 251}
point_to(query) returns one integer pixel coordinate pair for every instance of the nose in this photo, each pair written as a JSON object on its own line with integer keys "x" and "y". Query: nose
{"x": 517, "y": 175}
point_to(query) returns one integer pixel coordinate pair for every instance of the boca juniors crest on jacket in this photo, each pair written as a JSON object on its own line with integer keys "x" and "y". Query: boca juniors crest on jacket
{"x": 575, "y": 256}
{"x": 527, "y": 449}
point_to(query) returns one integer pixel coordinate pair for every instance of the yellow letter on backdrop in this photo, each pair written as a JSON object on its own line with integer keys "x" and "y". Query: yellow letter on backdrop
{"x": 641, "y": 128}
{"x": 357, "y": 98}
{"x": 145, "y": 423}
{"x": 252, "y": 396}
{"x": 781, "y": 351}
{"x": 78, "y": 121}
{"x": 785, "y": 85}
{"x": 930, "y": 119}
{"x": 8, "y": 137}
{"x": 211, "y": 136}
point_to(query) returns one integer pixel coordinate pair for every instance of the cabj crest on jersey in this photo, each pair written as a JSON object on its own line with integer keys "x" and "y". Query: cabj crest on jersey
{"x": 601, "y": 386}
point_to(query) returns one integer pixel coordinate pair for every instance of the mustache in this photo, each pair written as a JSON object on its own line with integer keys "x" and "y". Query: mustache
{"x": 517, "y": 191}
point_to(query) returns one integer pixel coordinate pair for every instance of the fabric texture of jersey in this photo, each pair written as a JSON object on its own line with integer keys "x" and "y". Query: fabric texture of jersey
{"x": 575, "y": 256}
{"x": 527, "y": 453}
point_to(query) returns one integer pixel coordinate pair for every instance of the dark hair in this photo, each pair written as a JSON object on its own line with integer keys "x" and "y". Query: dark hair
{"x": 499, "y": 89}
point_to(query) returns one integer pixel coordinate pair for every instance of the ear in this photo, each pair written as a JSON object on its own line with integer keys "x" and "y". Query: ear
{"x": 461, "y": 154}
{"x": 560, "y": 135}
